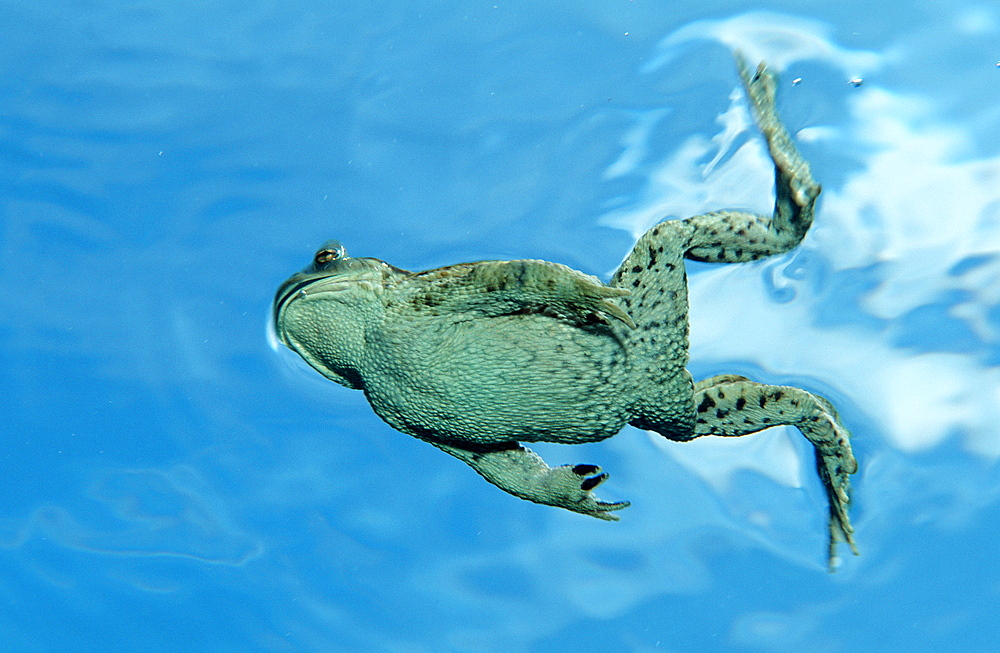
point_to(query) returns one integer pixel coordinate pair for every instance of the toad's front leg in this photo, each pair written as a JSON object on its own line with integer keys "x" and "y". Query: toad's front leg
{"x": 523, "y": 473}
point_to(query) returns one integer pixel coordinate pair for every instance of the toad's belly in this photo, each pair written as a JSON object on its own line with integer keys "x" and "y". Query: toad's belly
{"x": 521, "y": 377}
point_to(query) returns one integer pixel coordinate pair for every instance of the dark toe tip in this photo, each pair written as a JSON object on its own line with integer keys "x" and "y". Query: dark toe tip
{"x": 593, "y": 482}
{"x": 585, "y": 470}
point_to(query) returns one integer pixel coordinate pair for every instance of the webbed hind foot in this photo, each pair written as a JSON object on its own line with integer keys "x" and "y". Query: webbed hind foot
{"x": 730, "y": 406}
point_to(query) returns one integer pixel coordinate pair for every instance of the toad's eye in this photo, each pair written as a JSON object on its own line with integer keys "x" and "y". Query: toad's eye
{"x": 330, "y": 252}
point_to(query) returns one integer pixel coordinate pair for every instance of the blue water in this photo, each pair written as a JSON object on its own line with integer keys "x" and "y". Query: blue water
{"x": 170, "y": 481}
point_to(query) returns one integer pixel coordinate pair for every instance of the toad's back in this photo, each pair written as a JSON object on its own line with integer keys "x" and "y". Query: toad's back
{"x": 526, "y": 377}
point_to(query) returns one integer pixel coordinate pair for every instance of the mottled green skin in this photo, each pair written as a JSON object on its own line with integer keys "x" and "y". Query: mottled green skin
{"x": 478, "y": 357}
{"x": 445, "y": 355}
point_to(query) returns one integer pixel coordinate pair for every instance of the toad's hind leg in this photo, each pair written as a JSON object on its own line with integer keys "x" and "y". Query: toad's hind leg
{"x": 737, "y": 236}
{"x": 654, "y": 271}
{"x": 732, "y": 405}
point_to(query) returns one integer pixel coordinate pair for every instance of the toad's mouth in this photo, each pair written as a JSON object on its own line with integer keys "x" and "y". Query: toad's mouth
{"x": 289, "y": 289}
{"x": 310, "y": 286}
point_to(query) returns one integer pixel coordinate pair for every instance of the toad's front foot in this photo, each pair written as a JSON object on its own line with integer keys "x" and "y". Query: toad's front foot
{"x": 571, "y": 487}
{"x": 520, "y": 471}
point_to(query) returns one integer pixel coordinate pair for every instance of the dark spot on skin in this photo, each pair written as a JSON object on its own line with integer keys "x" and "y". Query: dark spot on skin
{"x": 762, "y": 401}
{"x": 738, "y": 253}
{"x": 719, "y": 414}
{"x": 700, "y": 420}
{"x": 722, "y": 395}
{"x": 765, "y": 420}
{"x": 746, "y": 420}
{"x": 652, "y": 258}
{"x": 636, "y": 268}
{"x": 706, "y": 403}
{"x": 635, "y": 283}
{"x": 778, "y": 395}
{"x": 430, "y": 299}
{"x": 583, "y": 470}
{"x": 740, "y": 403}
{"x": 660, "y": 249}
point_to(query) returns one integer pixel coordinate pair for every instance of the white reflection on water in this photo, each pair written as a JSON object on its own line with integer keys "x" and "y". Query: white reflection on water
{"x": 924, "y": 219}
{"x": 916, "y": 221}
{"x": 157, "y": 514}
{"x": 778, "y": 38}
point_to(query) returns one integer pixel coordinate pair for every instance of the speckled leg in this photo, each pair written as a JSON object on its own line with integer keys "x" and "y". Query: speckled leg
{"x": 731, "y": 406}
{"x": 523, "y": 473}
{"x": 654, "y": 270}
{"x": 736, "y": 236}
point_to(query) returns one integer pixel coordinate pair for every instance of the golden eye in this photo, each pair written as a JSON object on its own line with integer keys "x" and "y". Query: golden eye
{"x": 324, "y": 256}
{"x": 330, "y": 251}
